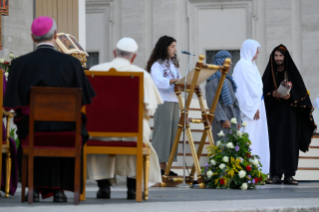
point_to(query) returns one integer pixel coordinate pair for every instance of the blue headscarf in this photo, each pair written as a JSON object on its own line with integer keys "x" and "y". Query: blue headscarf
{"x": 225, "y": 94}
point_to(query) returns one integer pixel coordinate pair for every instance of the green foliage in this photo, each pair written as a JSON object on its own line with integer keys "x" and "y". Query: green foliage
{"x": 231, "y": 164}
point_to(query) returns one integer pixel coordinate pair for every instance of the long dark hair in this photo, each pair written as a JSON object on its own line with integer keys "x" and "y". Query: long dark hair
{"x": 160, "y": 52}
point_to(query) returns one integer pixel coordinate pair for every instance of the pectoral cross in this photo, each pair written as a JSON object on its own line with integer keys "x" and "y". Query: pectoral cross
{"x": 4, "y": 10}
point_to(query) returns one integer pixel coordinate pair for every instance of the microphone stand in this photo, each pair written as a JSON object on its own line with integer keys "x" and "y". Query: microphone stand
{"x": 184, "y": 184}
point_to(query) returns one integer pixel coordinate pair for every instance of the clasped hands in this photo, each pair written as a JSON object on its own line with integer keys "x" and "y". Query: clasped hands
{"x": 277, "y": 95}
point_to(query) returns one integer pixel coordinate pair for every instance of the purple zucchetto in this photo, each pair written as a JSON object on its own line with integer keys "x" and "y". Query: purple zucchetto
{"x": 41, "y": 25}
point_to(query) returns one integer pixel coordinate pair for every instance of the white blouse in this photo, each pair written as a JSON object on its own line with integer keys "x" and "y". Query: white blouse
{"x": 162, "y": 73}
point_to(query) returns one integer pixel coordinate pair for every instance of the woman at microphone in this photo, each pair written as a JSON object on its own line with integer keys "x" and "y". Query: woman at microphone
{"x": 163, "y": 66}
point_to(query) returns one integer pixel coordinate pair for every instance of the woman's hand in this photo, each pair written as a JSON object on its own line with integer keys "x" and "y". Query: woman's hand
{"x": 256, "y": 117}
{"x": 173, "y": 81}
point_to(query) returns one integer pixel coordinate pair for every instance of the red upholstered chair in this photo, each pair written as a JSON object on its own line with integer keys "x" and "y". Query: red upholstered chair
{"x": 118, "y": 111}
{"x": 5, "y": 145}
{"x": 53, "y": 104}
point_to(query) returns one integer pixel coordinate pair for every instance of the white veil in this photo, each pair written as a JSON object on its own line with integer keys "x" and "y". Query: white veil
{"x": 248, "y": 80}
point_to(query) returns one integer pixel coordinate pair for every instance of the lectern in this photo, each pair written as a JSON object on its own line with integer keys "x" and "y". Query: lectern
{"x": 197, "y": 76}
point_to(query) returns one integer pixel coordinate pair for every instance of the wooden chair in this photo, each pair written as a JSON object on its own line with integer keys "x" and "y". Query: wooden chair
{"x": 118, "y": 111}
{"x": 53, "y": 104}
{"x": 5, "y": 145}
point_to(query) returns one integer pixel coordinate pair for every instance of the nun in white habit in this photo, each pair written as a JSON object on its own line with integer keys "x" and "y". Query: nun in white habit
{"x": 251, "y": 102}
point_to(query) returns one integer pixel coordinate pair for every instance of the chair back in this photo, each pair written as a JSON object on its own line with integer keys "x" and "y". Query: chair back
{"x": 55, "y": 104}
{"x": 118, "y": 108}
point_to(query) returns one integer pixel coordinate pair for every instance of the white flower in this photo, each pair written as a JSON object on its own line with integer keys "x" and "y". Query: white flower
{"x": 225, "y": 159}
{"x": 233, "y": 121}
{"x": 230, "y": 145}
{"x": 213, "y": 162}
{"x": 221, "y": 134}
{"x": 11, "y": 55}
{"x": 239, "y": 133}
{"x": 244, "y": 124}
{"x": 255, "y": 162}
{"x": 2, "y": 60}
{"x": 6, "y": 74}
{"x": 241, "y": 158}
{"x": 218, "y": 143}
{"x": 241, "y": 173}
{"x": 222, "y": 165}
{"x": 209, "y": 174}
{"x": 244, "y": 186}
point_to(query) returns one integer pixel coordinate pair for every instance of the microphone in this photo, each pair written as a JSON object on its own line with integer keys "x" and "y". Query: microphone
{"x": 185, "y": 52}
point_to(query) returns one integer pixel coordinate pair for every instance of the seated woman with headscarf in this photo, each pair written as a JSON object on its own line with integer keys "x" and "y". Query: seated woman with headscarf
{"x": 227, "y": 106}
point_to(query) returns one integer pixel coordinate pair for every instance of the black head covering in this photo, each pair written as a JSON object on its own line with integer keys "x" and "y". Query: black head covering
{"x": 298, "y": 94}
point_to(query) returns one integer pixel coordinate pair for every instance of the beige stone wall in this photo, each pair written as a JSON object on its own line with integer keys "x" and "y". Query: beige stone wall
{"x": 16, "y": 29}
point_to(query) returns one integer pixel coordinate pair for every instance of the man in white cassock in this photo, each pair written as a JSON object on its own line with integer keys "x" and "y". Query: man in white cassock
{"x": 251, "y": 101}
{"x": 102, "y": 167}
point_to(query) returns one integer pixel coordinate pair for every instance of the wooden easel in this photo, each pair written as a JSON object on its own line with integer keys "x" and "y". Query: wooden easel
{"x": 193, "y": 82}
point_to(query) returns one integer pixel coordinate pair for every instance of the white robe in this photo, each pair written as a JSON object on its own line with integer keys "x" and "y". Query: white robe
{"x": 249, "y": 95}
{"x": 316, "y": 102}
{"x": 104, "y": 167}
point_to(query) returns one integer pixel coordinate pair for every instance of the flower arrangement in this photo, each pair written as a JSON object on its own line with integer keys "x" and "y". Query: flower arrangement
{"x": 5, "y": 65}
{"x": 231, "y": 164}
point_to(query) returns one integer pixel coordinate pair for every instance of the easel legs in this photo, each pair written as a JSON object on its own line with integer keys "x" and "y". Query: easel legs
{"x": 195, "y": 158}
{"x": 171, "y": 156}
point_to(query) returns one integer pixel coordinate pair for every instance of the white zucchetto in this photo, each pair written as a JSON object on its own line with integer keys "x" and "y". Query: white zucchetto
{"x": 127, "y": 45}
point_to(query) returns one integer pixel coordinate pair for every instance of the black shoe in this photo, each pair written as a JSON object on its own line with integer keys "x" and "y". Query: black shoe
{"x": 131, "y": 188}
{"x": 59, "y": 196}
{"x": 104, "y": 193}
{"x": 290, "y": 181}
{"x": 35, "y": 196}
{"x": 171, "y": 173}
{"x": 274, "y": 180}
{"x": 131, "y": 194}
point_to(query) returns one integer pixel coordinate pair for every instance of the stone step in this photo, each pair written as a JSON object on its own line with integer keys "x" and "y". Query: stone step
{"x": 312, "y": 162}
{"x": 313, "y": 152}
{"x": 189, "y": 160}
{"x": 311, "y": 174}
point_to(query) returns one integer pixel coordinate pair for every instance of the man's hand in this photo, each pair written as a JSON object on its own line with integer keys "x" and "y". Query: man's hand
{"x": 173, "y": 81}
{"x": 275, "y": 94}
{"x": 238, "y": 126}
{"x": 226, "y": 124}
{"x": 286, "y": 97}
{"x": 256, "y": 117}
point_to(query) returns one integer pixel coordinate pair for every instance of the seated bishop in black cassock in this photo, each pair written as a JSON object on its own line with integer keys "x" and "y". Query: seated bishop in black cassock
{"x": 46, "y": 67}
